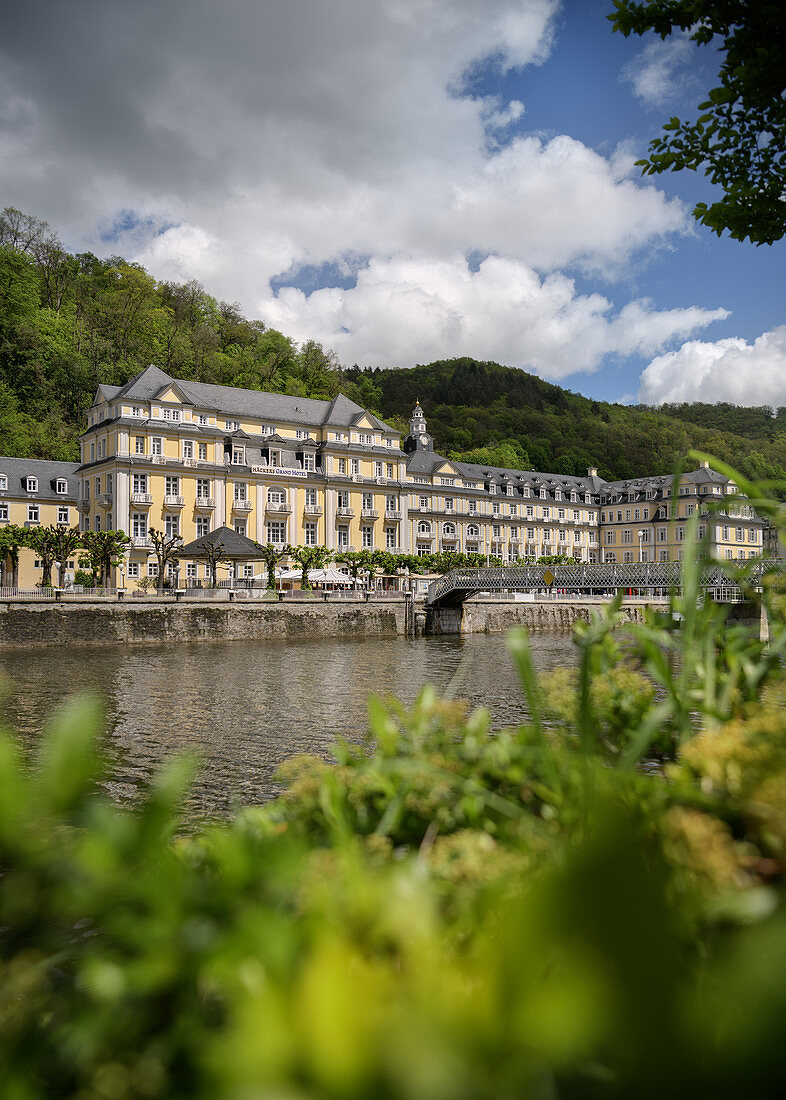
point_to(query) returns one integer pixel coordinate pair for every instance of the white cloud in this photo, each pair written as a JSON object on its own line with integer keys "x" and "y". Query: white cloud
{"x": 659, "y": 74}
{"x": 727, "y": 370}
{"x": 414, "y": 309}
{"x": 245, "y": 140}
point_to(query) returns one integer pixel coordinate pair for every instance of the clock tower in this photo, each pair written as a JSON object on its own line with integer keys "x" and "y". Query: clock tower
{"x": 418, "y": 438}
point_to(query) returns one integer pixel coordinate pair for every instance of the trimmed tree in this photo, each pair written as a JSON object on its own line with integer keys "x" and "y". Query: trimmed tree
{"x": 13, "y": 538}
{"x": 214, "y": 553}
{"x": 357, "y": 562}
{"x": 271, "y": 556}
{"x": 67, "y": 540}
{"x": 43, "y": 541}
{"x": 309, "y": 557}
{"x": 166, "y": 549}
{"x": 104, "y": 550}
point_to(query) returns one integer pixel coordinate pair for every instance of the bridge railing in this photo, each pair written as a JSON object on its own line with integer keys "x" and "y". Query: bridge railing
{"x": 573, "y": 577}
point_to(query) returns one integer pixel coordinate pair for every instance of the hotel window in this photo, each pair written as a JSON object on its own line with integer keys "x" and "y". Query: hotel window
{"x": 473, "y": 507}
{"x": 495, "y": 508}
{"x": 530, "y": 511}
{"x": 231, "y": 425}
{"x": 188, "y": 449}
{"x": 277, "y": 532}
{"x": 619, "y": 517}
{"x": 139, "y": 444}
{"x": 367, "y": 537}
{"x": 274, "y": 496}
{"x": 191, "y": 570}
{"x": 342, "y": 500}
{"x": 563, "y": 535}
{"x": 309, "y": 534}
{"x": 92, "y": 452}
{"x": 636, "y": 514}
{"x": 201, "y": 418}
{"x": 472, "y": 531}
{"x": 342, "y": 537}
{"x": 239, "y": 491}
{"x": 627, "y": 557}
{"x": 3, "y": 482}
{"x": 32, "y": 485}
{"x": 725, "y": 534}
{"x": 308, "y": 461}
{"x": 311, "y": 498}
{"x": 156, "y": 445}
{"x": 390, "y": 502}
{"x": 62, "y": 515}
{"x": 646, "y": 513}
{"x": 424, "y": 528}
{"x": 202, "y": 452}
{"x": 139, "y": 483}
{"x": 449, "y": 530}
{"x": 496, "y": 531}
{"x": 423, "y": 502}
{"x": 367, "y": 501}
{"x": 448, "y": 504}
{"x": 139, "y": 525}
{"x": 377, "y": 469}
{"x": 61, "y": 485}
{"x": 98, "y": 486}
{"x": 248, "y": 571}
{"x": 561, "y": 513}
{"x": 645, "y": 536}
{"x": 267, "y": 429}
{"x": 238, "y": 456}
{"x": 680, "y": 534}
{"x": 202, "y": 526}
{"x": 663, "y": 555}
{"x": 172, "y": 486}
{"x": 514, "y": 509}
{"x": 202, "y": 488}
{"x": 389, "y": 467}
{"x": 133, "y": 569}
{"x": 354, "y": 466}
{"x": 740, "y": 534}
{"x": 102, "y": 448}
{"x": 240, "y": 527}
{"x": 577, "y": 536}
{"x": 300, "y": 433}
{"x": 3, "y": 513}
{"x": 109, "y": 483}
{"x": 342, "y": 465}
{"x": 627, "y": 515}
{"x": 152, "y": 569}
{"x": 557, "y": 494}
{"x": 609, "y": 538}
{"x": 171, "y": 525}
{"x": 545, "y": 513}
{"x": 627, "y": 536}
{"x": 661, "y": 534}
{"x": 576, "y": 515}
{"x": 98, "y": 523}
{"x": 390, "y": 538}
{"x": 365, "y": 437}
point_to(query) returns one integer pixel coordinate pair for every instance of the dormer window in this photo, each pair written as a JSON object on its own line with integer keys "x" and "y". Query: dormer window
{"x": 239, "y": 456}
{"x": 231, "y": 425}
{"x": 61, "y": 485}
{"x": 3, "y": 482}
{"x": 32, "y": 484}
{"x": 136, "y": 410}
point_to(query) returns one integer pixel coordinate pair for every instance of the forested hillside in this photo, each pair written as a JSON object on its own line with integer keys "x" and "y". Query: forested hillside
{"x": 69, "y": 322}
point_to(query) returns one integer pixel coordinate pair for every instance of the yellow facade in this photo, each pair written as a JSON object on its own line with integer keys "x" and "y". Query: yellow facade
{"x": 36, "y": 494}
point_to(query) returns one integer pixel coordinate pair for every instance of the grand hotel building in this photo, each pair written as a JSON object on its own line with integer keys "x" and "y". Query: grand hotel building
{"x": 188, "y": 457}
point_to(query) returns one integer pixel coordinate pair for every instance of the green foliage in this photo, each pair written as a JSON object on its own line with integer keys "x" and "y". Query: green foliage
{"x": 309, "y": 557}
{"x": 739, "y": 139}
{"x": 444, "y": 912}
{"x": 103, "y": 551}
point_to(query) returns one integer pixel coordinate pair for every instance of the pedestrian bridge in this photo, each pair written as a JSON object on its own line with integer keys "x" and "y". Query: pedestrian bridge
{"x": 572, "y": 578}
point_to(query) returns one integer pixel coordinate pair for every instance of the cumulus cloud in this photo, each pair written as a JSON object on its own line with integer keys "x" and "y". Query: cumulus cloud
{"x": 406, "y": 310}
{"x": 728, "y": 370}
{"x": 238, "y": 143}
{"x": 659, "y": 74}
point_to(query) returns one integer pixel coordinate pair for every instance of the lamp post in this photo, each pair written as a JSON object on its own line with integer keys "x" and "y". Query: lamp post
{"x": 641, "y": 541}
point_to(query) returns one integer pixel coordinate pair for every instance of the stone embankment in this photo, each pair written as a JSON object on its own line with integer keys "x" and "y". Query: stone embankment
{"x": 128, "y": 622}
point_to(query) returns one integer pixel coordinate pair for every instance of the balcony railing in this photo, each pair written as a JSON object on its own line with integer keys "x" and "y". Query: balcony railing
{"x": 141, "y": 498}
{"x": 369, "y": 513}
{"x": 83, "y": 505}
{"x": 171, "y": 500}
{"x": 345, "y": 513}
{"x": 347, "y": 549}
{"x": 205, "y": 502}
{"x": 392, "y": 514}
{"x": 142, "y": 542}
{"x": 104, "y": 499}
{"x": 241, "y": 505}
{"x": 284, "y": 508}
{"x": 313, "y": 509}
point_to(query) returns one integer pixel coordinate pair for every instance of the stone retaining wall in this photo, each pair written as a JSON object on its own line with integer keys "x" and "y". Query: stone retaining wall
{"x": 39, "y": 623}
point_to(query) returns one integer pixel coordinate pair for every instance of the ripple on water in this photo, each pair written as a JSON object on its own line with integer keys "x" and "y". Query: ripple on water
{"x": 246, "y": 706}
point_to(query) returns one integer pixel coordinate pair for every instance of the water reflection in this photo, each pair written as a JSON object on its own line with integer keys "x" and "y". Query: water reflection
{"x": 245, "y": 706}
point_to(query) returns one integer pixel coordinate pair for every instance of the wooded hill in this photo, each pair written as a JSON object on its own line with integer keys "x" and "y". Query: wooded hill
{"x": 69, "y": 322}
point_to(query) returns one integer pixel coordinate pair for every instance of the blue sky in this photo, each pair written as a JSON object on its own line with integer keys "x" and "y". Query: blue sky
{"x": 402, "y": 180}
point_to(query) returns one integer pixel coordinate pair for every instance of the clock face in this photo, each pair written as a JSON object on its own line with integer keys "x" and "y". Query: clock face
{"x": 423, "y": 437}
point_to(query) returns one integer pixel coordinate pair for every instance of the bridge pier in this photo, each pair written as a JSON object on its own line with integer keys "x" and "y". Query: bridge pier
{"x": 442, "y": 619}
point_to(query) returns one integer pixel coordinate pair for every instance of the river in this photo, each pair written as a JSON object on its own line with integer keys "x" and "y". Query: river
{"x": 245, "y": 706}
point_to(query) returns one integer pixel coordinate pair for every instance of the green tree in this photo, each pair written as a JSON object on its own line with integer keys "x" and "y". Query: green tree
{"x": 66, "y": 540}
{"x": 739, "y": 139}
{"x": 13, "y": 539}
{"x": 103, "y": 551}
{"x": 357, "y": 562}
{"x": 43, "y": 541}
{"x": 309, "y": 557}
{"x": 272, "y": 554}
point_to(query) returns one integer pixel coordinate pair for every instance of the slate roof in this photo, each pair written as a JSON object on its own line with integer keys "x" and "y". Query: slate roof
{"x": 236, "y": 547}
{"x": 232, "y": 401}
{"x": 426, "y": 462}
{"x": 46, "y": 472}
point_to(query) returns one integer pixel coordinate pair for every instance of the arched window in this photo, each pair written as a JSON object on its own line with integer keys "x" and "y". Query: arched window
{"x": 424, "y": 528}
{"x": 276, "y": 496}
{"x": 472, "y": 531}
{"x": 449, "y": 529}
